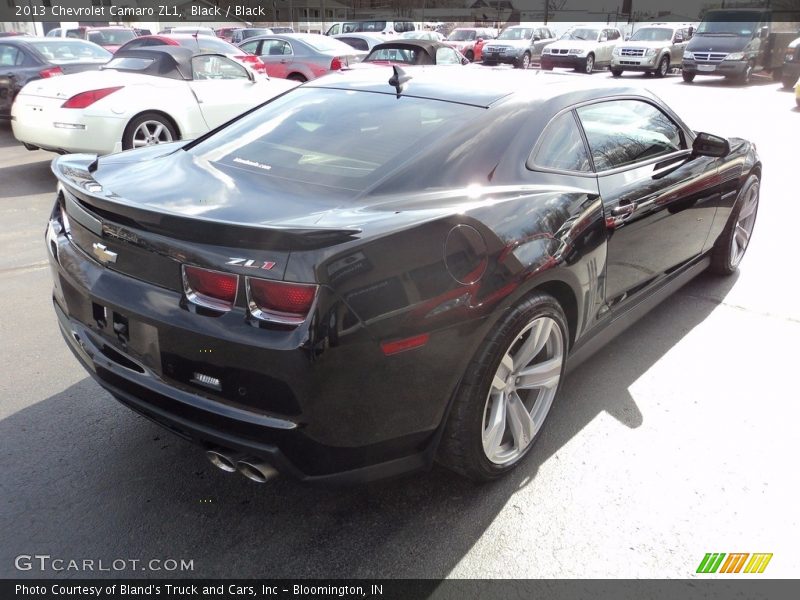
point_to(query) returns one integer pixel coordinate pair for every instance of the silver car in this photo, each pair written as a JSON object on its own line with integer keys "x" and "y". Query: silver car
{"x": 653, "y": 48}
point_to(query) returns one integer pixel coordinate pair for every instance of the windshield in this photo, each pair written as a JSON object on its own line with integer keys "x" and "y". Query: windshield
{"x": 246, "y": 33}
{"x": 364, "y": 26}
{"x": 345, "y": 139}
{"x": 461, "y": 35}
{"x": 60, "y": 51}
{"x": 652, "y": 34}
{"x": 728, "y": 22}
{"x": 516, "y": 33}
{"x": 581, "y": 34}
{"x": 111, "y": 37}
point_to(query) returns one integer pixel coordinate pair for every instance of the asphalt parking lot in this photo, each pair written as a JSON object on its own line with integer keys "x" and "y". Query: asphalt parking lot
{"x": 679, "y": 438}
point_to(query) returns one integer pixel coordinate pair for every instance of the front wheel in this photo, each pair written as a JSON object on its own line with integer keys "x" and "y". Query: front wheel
{"x": 470, "y": 55}
{"x": 507, "y": 391}
{"x": 148, "y": 129}
{"x": 746, "y": 75}
{"x": 524, "y": 62}
{"x": 616, "y": 72}
{"x": 663, "y": 67}
{"x": 687, "y": 77}
{"x": 588, "y": 65}
{"x": 732, "y": 244}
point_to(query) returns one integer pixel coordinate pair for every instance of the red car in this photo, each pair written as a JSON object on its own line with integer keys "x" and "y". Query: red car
{"x": 199, "y": 43}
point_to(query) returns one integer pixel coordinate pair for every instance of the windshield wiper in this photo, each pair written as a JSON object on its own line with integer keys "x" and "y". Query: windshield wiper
{"x": 577, "y": 37}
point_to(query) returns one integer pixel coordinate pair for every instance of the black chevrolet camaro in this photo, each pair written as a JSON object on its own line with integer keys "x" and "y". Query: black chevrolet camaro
{"x": 372, "y": 273}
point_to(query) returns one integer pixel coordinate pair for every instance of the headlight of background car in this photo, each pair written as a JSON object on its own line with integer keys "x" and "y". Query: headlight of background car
{"x": 735, "y": 56}
{"x": 577, "y": 51}
{"x": 688, "y": 55}
{"x": 650, "y": 52}
{"x": 546, "y": 51}
{"x": 616, "y": 51}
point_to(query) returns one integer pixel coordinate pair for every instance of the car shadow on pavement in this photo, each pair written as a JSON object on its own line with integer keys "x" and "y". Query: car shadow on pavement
{"x": 81, "y": 476}
{"x": 27, "y": 179}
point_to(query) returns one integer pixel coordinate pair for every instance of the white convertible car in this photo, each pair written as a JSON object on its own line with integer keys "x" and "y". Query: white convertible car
{"x": 141, "y": 97}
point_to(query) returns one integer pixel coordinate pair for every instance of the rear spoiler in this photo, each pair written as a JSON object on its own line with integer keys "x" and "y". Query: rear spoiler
{"x": 75, "y": 178}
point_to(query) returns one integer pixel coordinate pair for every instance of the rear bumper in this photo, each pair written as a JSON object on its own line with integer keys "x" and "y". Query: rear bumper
{"x": 42, "y": 123}
{"x": 346, "y": 413}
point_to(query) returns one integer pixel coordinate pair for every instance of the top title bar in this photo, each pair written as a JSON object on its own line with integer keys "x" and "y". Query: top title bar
{"x": 423, "y": 11}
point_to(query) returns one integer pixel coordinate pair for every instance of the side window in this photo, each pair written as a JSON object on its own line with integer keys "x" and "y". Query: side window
{"x": 10, "y": 56}
{"x": 334, "y": 30}
{"x": 447, "y": 56}
{"x": 216, "y": 67}
{"x": 251, "y": 47}
{"x": 624, "y": 132}
{"x": 54, "y": 33}
{"x": 561, "y": 147}
{"x": 356, "y": 43}
{"x": 275, "y": 48}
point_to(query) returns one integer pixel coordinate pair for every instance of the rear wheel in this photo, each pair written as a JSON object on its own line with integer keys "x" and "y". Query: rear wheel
{"x": 507, "y": 391}
{"x": 732, "y": 244}
{"x": 787, "y": 82}
{"x": 663, "y": 67}
{"x": 148, "y": 129}
{"x": 297, "y": 77}
{"x": 687, "y": 77}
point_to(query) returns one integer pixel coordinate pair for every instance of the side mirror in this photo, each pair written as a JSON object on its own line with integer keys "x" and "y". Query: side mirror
{"x": 603, "y": 38}
{"x": 678, "y": 39}
{"x": 537, "y": 38}
{"x": 627, "y": 37}
{"x": 707, "y": 144}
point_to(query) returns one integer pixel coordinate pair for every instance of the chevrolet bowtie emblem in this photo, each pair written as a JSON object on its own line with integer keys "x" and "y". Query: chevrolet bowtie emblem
{"x": 103, "y": 254}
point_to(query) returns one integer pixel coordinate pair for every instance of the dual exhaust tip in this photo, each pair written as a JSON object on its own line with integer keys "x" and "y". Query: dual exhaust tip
{"x": 252, "y": 468}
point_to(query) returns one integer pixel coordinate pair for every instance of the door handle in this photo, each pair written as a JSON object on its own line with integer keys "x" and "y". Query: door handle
{"x": 624, "y": 210}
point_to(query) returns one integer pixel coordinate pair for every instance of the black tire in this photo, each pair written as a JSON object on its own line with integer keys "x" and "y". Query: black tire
{"x": 588, "y": 65}
{"x": 488, "y": 63}
{"x": 663, "y": 67}
{"x": 524, "y": 62}
{"x": 616, "y": 72}
{"x": 470, "y": 55}
{"x": 546, "y": 66}
{"x": 722, "y": 259}
{"x": 461, "y": 448}
{"x": 133, "y": 125}
{"x": 787, "y": 83}
{"x": 777, "y": 74}
{"x": 297, "y": 77}
{"x": 687, "y": 77}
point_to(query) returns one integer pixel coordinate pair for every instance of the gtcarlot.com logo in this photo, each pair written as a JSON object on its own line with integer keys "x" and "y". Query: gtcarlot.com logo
{"x": 719, "y": 562}
{"x": 45, "y": 562}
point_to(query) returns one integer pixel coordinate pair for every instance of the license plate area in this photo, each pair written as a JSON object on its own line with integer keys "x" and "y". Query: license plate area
{"x": 706, "y": 68}
{"x": 125, "y": 341}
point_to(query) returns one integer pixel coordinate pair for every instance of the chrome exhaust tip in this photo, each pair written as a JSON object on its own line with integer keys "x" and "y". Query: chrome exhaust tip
{"x": 256, "y": 470}
{"x": 221, "y": 460}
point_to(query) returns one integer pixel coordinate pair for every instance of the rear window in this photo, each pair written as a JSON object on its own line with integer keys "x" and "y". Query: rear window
{"x": 209, "y": 44}
{"x": 129, "y": 63}
{"x": 61, "y": 51}
{"x": 111, "y": 37}
{"x": 339, "y": 138}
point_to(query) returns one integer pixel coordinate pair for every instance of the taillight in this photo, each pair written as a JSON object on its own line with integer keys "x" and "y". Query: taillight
{"x": 279, "y": 301}
{"x": 51, "y": 72}
{"x": 211, "y": 289}
{"x": 336, "y": 63}
{"x": 85, "y": 99}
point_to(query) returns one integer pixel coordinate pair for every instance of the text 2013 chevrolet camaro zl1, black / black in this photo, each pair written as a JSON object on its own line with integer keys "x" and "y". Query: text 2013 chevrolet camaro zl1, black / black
{"x": 362, "y": 276}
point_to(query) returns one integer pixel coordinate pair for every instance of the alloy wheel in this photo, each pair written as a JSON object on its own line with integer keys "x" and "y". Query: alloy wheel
{"x": 526, "y": 61}
{"x": 745, "y": 222}
{"x": 149, "y": 133}
{"x": 589, "y": 64}
{"x": 522, "y": 391}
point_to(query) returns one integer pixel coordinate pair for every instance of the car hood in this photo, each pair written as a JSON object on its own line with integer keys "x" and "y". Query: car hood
{"x": 573, "y": 44}
{"x": 644, "y": 44}
{"x": 510, "y": 43}
{"x": 717, "y": 43}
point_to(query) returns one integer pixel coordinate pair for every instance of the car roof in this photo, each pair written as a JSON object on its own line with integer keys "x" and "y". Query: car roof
{"x": 429, "y": 46}
{"x": 172, "y": 62}
{"x": 484, "y": 87}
